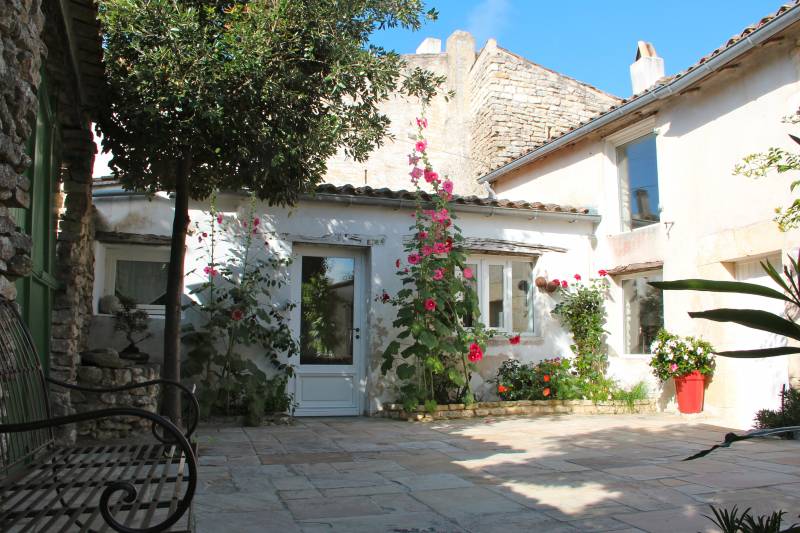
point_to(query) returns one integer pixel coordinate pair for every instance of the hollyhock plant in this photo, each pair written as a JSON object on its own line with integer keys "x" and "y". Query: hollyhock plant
{"x": 434, "y": 353}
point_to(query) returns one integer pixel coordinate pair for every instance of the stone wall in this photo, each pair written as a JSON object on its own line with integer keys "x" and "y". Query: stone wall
{"x": 142, "y": 398}
{"x": 21, "y": 53}
{"x": 517, "y": 105}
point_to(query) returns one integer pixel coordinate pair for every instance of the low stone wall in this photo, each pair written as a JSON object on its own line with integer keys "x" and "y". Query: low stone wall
{"x": 142, "y": 398}
{"x": 516, "y": 408}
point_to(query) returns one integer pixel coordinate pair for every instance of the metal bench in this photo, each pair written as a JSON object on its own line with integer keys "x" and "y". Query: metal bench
{"x": 139, "y": 485}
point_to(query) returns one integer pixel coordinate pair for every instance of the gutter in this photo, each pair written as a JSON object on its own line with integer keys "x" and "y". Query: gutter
{"x": 745, "y": 44}
{"x": 404, "y": 203}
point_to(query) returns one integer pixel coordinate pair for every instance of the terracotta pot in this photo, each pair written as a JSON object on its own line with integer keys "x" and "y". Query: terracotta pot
{"x": 552, "y": 286}
{"x": 541, "y": 282}
{"x": 690, "y": 390}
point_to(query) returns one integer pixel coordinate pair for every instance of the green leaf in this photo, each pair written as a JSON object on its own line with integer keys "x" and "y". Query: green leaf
{"x": 760, "y": 353}
{"x": 405, "y": 371}
{"x": 719, "y": 286}
{"x": 428, "y": 339}
{"x": 752, "y": 318}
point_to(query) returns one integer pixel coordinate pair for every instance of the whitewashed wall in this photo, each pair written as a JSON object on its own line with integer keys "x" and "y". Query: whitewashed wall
{"x": 711, "y": 218}
{"x": 316, "y": 219}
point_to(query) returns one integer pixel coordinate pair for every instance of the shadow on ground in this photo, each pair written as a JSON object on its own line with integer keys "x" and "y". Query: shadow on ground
{"x": 571, "y": 473}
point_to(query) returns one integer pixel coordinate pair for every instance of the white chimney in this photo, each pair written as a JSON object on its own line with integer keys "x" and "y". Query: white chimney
{"x": 430, "y": 46}
{"x": 647, "y": 69}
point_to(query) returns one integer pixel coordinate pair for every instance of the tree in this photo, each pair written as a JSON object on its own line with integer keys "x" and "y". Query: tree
{"x": 209, "y": 95}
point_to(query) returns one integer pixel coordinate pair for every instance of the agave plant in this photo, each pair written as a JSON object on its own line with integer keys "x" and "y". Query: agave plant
{"x": 752, "y": 318}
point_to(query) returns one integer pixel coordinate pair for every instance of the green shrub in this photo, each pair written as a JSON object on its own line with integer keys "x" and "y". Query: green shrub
{"x": 636, "y": 393}
{"x": 790, "y": 416}
{"x": 550, "y": 378}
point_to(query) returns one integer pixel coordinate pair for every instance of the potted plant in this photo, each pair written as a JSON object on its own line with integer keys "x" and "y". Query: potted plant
{"x": 688, "y": 361}
{"x": 133, "y": 322}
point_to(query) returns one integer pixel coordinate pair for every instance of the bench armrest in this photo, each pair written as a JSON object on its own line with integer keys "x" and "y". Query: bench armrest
{"x": 195, "y": 406}
{"x": 172, "y": 435}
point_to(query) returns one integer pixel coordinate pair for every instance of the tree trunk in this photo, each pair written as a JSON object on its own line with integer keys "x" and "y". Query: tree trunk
{"x": 172, "y": 313}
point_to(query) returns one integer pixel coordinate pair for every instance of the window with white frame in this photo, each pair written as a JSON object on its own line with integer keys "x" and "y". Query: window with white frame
{"x": 643, "y": 311}
{"x": 138, "y": 273}
{"x": 505, "y": 292}
{"x": 637, "y": 169}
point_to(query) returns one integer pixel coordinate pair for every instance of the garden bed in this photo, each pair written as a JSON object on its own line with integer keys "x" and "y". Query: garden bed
{"x": 516, "y": 408}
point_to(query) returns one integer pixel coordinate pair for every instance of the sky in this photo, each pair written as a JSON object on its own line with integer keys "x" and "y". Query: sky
{"x": 593, "y": 41}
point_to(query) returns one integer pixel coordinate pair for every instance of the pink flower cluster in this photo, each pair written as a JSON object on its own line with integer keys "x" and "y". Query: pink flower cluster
{"x": 211, "y": 271}
{"x": 475, "y": 352}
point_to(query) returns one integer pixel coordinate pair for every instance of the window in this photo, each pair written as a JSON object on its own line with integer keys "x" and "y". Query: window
{"x": 138, "y": 273}
{"x": 637, "y": 169}
{"x": 644, "y": 312}
{"x": 505, "y": 293}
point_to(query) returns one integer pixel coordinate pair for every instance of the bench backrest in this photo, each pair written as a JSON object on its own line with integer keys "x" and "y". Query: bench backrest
{"x": 23, "y": 390}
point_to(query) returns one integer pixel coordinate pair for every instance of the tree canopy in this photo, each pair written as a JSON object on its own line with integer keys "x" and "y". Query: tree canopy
{"x": 256, "y": 94}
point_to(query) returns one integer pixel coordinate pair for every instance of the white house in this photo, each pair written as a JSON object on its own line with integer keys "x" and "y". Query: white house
{"x": 655, "y": 198}
{"x": 658, "y": 168}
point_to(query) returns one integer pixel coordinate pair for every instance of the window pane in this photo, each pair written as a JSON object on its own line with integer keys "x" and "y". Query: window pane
{"x": 496, "y": 293}
{"x": 472, "y": 283}
{"x": 644, "y": 313}
{"x": 522, "y": 296}
{"x": 638, "y": 176}
{"x": 144, "y": 282}
{"x": 326, "y": 311}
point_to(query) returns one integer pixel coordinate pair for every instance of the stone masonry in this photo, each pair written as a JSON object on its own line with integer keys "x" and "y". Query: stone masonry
{"x": 503, "y": 106}
{"x": 21, "y": 53}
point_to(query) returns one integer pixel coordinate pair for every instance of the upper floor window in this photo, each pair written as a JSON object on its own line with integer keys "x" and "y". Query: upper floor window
{"x": 637, "y": 167}
{"x": 505, "y": 292}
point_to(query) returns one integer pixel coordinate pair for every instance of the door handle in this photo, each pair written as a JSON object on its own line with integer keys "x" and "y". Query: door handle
{"x": 356, "y": 332}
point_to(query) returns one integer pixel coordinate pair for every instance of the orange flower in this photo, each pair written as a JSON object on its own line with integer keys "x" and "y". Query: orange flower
{"x": 546, "y": 378}
{"x": 546, "y": 392}
{"x": 501, "y": 389}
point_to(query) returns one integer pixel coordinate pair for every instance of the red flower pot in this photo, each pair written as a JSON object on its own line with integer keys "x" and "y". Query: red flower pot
{"x": 690, "y": 389}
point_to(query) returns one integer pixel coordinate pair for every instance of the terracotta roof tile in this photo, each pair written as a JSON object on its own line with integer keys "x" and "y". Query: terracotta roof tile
{"x": 369, "y": 192}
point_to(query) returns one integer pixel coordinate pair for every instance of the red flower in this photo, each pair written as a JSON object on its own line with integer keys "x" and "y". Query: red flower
{"x": 475, "y": 352}
{"x": 564, "y": 283}
{"x": 413, "y": 259}
{"x": 514, "y": 339}
{"x": 237, "y": 314}
{"x": 256, "y": 221}
{"x": 205, "y": 234}
{"x": 219, "y": 218}
{"x": 546, "y": 378}
{"x": 448, "y": 244}
{"x": 397, "y": 263}
{"x": 557, "y": 281}
{"x": 546, "y": 392}
{"x": 501, "y": 389}
{"x": 385, "y": 297}
{"x": 430, "y": 304}
{"x": 577, "y": 277}
{"x": 603, "y": 273}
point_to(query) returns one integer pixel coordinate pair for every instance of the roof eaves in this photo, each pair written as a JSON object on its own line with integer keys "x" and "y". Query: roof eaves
{"x": 669, "y": 86}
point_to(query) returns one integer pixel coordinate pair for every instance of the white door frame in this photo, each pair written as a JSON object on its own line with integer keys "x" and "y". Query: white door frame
{"x": 308, "y": 375}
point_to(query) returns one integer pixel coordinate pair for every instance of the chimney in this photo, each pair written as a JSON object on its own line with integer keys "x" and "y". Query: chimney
{"x": 647, "y": 69}
{"x": 430, "y": 46}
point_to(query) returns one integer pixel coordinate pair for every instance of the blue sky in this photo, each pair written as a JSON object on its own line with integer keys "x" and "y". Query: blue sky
{"x": 591, "y": 40}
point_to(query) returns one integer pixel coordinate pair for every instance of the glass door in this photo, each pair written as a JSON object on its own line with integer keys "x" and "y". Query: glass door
{"x": 327, "y": 286}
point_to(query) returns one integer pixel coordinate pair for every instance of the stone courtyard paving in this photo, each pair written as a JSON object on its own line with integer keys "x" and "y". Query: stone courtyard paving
{"x": 572, "y": 473}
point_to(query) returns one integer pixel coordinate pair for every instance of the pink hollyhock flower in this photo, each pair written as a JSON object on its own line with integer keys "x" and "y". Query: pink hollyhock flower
{"x": 427, "y": 250}
{"x": 564, "y": 283}
{"x": 447, "y": 186}
{"x": 431, "y": 176}
{"x": 397, "y": 263}
{"x": 439, "y": 248}
{"x": 468, "y": 273}
{"x": 421, "y": 146}
{"x": 673, "y": 367}
{"x": 405, "y": 270}
{"x": 557, "y": 281}
{"x": 422, "y": 122}
{"x": 256, "y": 221}
{"x": 415, "y": 173}
{"x": 385, "y": 297}
{"x": 514, "y": 340}
{"x": 413, "y": 159}
{"x": 205, "y": 234}
{"x": 430, "y": 304}
{"x": 603, "y": 273}
{"x": 448, "y": 245}
{"x": 219, "y": 218}
{"x": 422, "y": 235}
{"x": 413, "y": 259}
{"x": 577, "y": 277}
{"x": 475, "y": 352}
{"x": 438, "y": 274}
{"x": 208, "y": 270}
{"x": 441, "y": 216}
{"x": 237, "y": 314}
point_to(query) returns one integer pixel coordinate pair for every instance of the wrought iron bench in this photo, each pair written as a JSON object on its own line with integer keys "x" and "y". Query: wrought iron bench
{"x": 142, "y": 485}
